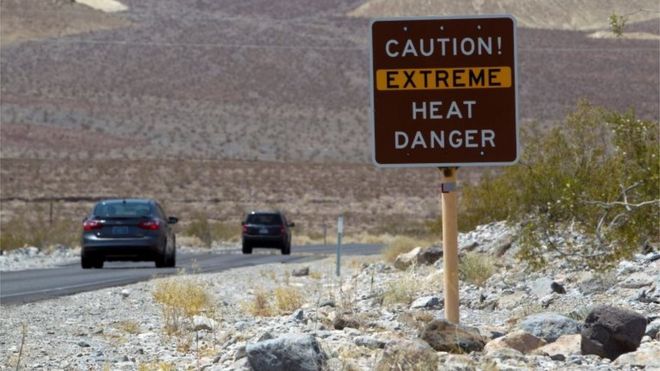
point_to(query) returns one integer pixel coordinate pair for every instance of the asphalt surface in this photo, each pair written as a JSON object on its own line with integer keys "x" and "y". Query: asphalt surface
{"x": 26, "y": 286}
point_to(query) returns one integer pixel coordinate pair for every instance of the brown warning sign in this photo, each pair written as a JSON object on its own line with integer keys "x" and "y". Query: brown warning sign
{"x": 444, "y": 91}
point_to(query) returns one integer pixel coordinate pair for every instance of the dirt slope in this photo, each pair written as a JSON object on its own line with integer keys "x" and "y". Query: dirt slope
{"x": 546, "y": 14}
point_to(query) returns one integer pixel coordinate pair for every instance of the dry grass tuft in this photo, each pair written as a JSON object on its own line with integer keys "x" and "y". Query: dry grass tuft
{"x": 476, "y": 268}
{"x": 156, "y": 366}
{"x": 401, "y": 245}
{"x": 288, "y": 299}
{"x": 21, "y": 231}
{"x": 260, "y": 306}
{"x": 181, "y": 299}
{"x": 408, "y": 357}
{"x": 402, "y": 290}
{"x": 129, "y": 327}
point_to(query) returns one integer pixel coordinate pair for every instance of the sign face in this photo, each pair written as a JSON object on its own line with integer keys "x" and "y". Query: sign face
{"x": 444, "y": 91}
{"x": 340, "y": 225}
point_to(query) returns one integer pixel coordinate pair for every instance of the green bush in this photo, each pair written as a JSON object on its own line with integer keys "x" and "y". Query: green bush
{"x": 597, "y": 172}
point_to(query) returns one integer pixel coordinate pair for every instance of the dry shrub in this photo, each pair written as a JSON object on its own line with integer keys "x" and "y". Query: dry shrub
{"x": 24, "y": 230}
{"x": 408, "y": 355}
{"x": 401, "y": 245}
{"x": 402, "y": 290}
{"x": 288, "y": 299}
{"x": 180, "y": 299}
{"x": 209, "y": 231}
{"x": 259, "y": 306}
{"x": 129, "y": 326}
{"x": 476, "y": 268}
{"x": 156, "y": 366}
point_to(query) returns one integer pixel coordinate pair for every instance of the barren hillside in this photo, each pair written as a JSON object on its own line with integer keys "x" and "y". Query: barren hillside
{"x": 582, "y": 15}
{"x": 257, "y": 81}
{"x": 213, "y": 84}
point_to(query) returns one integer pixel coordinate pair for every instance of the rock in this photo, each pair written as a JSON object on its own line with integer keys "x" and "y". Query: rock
{"x": 457, "y": 362}
{"x": 609, "y": 332}
{"x": 646, "y": 357}
{"x": 626, "y": 267}
{"x": 369, "y": 342}
{"x": 202, "y": 323}
{"x": 430, "y": 255}
{"x": 327, "y": 303}
{"x": 341, "y": 322}
{"x": 549, "y": 299}
{"x": 240, "y": 352}
{"x": 491, "y": 332}
{"x": 442, "y": 335}
{"x": 637, "y": 280}
{"x": 125, "y": 293}
{"x": 403, "y": 261}
{"x": 541, "y": 287}
{"x": 653, "y": 328}
{"x": 561, "y": 348}
{"x": 510, "y": 301}
{"x": 300, "y": 272}
{"x": 83, "y": 344}
{"x": 298, "y": 315}
{"x": 418, "y": 256}
{"x": 521, "y": 341}
{"x": 265, "y": 336}
{"x": 590, "y": 283}
{"x": 241, "y": 364}
{"x": 290, "y": 352}
{"x": 549, "y": 326}
{"x": 400, "y": 355}
{"x": 558, "y": 288}
{"x": 502, "y": 245}
{"x": 427, "y": 302}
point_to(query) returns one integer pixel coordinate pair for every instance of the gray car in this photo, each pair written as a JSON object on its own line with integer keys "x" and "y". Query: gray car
{"x": 128, "y": 229}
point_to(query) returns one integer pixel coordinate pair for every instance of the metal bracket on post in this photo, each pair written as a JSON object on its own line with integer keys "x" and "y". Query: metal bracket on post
{"x": 448, "y": 187}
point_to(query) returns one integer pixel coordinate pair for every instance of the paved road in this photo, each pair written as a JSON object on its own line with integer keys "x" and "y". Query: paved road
{"x": 38, "y": 284}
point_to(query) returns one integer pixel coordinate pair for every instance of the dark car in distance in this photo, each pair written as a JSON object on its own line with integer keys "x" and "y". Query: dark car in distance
{"x": 266, "y": 229}
{"x": 128, "y": 229}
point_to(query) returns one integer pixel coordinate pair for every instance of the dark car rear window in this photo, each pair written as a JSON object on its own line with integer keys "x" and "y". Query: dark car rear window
{"x": 268, "y": 219}
{"x": 122, "y": 209}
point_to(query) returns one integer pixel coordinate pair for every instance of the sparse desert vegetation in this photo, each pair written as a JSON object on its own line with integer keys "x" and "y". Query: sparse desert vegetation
{"x": 181, "y": 298}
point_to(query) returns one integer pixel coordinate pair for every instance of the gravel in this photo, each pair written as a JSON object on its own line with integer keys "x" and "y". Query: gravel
{"x": 123, "y": 328}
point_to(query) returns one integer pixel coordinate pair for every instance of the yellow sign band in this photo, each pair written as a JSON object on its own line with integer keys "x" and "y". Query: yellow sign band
{"x": 444, "y": 78}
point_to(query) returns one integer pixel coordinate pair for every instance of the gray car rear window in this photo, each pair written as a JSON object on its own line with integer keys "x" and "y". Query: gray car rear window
{"x": 268, "y": 219}
{"x": 121, "y": 209}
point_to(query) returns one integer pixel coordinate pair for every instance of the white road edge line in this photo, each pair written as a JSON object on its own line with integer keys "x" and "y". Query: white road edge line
{"x": 62, "y": 288}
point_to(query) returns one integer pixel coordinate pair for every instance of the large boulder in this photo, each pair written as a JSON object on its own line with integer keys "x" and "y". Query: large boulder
{"x": 445, "y": 336}
{"x": 291, "y": 352}
{"x": 418, "y": 256}
{"x": 521, "y": 341}
{"x": 610, "y": 332}
{"x": 549, "y": 326}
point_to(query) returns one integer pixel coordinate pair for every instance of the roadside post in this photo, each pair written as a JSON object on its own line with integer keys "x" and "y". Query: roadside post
{"x": 340, "y": 232}
{"x": 444, "y": 95}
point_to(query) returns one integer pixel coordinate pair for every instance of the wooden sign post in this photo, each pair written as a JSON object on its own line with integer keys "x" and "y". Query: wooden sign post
{"x": 450, "y": 243}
